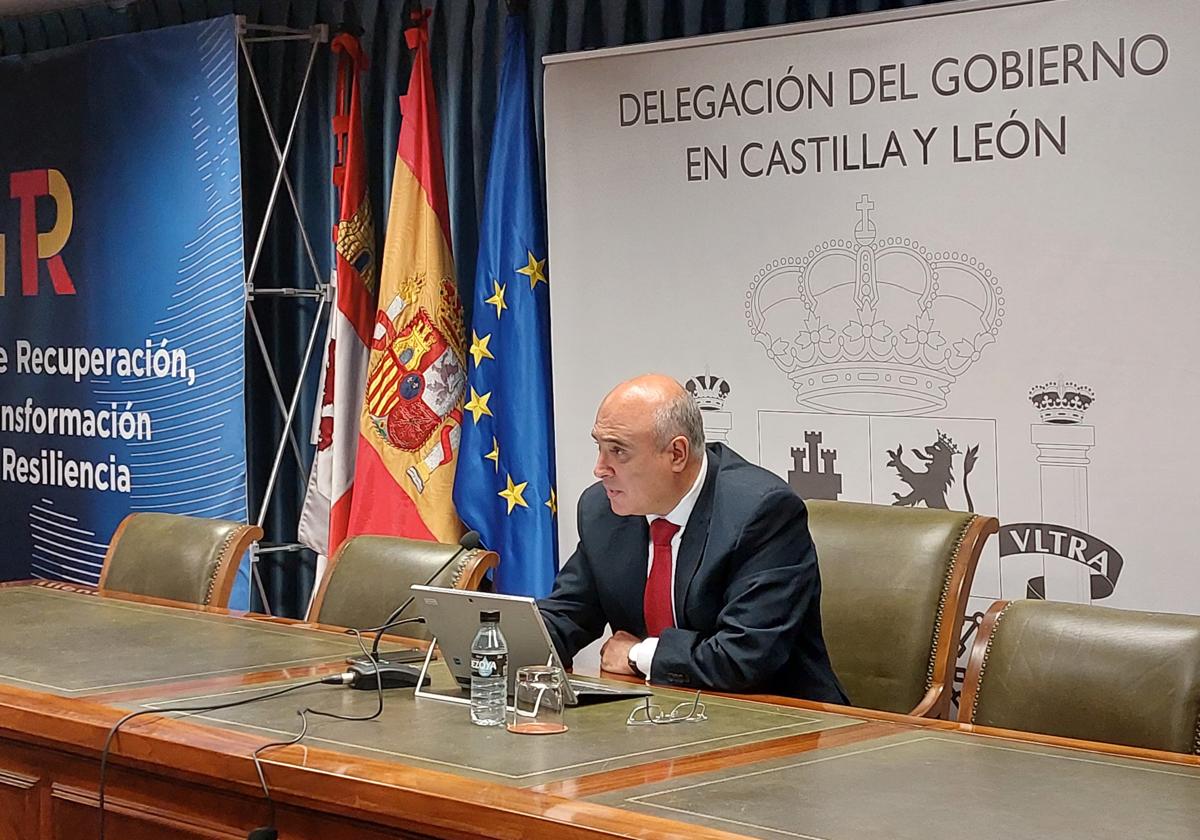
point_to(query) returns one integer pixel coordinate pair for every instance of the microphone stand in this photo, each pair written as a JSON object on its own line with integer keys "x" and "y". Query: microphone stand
{"x": 467, "y": 542}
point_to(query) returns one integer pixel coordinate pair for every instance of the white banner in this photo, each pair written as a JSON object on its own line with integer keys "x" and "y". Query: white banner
{"x": 939, "y": 258}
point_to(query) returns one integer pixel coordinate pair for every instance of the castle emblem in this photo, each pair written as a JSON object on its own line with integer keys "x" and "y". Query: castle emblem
{"x": 354, "y": 239}
{"x": 874, "y": 326}
{"x": 813, "y": 474}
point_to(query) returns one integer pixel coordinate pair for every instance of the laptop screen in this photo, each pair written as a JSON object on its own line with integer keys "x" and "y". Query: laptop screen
{"x": 452, "y": 615}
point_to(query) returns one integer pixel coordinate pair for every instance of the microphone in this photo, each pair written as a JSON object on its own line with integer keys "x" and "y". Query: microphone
{"x": 467, "y": 542}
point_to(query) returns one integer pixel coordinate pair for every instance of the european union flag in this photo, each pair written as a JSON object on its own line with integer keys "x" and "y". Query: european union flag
{"x": 504, "y": 487}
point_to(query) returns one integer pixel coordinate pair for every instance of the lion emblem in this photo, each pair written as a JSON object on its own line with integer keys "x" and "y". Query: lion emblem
{"x": 930, "y": 486}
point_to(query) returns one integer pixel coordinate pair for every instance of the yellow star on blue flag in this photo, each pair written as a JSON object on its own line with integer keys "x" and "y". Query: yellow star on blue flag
{"x": 478, "y": 405}
{"x": 513, "y": 494}
{"x": 497, "y": 298}
{"x": 479, "y": 348}
{"x": 534, "y": 270}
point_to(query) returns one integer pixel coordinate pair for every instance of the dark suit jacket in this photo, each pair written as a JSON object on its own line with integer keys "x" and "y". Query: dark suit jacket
{"x": 747, "y": 588}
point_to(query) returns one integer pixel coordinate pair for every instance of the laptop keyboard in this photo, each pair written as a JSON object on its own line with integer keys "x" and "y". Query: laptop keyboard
{"x": 594, "y": 688}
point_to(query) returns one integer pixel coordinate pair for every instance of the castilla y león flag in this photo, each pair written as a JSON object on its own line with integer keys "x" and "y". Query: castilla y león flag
{"x": 412, "y": 414}
{"x": 326, "y": 510}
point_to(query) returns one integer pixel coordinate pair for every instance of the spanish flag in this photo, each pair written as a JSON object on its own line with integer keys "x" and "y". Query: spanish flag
{"x": 411, "y": 417}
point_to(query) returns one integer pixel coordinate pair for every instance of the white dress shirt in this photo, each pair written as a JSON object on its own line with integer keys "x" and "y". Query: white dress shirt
{"x": 642, "y": 654}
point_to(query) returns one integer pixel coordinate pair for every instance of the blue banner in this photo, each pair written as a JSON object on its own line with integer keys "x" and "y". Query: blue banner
{"x": 122, "y": 359}
{"x": 504, "y": 487}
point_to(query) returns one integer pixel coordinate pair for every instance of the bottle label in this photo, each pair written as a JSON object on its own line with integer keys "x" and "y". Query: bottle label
{"x": 489, "y": 665}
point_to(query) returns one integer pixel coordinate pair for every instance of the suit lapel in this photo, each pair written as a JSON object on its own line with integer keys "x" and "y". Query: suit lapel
{"x": 695, "y": 536}
{"x": 631, "y": 549}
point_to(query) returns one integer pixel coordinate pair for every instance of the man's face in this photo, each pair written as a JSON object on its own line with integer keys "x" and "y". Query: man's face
{"x": 638, "y": 475}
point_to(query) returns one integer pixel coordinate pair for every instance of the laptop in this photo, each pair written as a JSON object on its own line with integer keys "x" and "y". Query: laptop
{"x": 452, "y": 615}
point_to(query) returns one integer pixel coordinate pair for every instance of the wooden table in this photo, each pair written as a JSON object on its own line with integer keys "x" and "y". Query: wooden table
{"x": 72, "y": 663}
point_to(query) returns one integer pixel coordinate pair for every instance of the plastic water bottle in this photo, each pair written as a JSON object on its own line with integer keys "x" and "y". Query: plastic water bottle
{"x": 489, "y": 672}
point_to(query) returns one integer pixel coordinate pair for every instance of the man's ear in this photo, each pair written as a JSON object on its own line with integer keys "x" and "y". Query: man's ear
{"x": 680, "y": 453}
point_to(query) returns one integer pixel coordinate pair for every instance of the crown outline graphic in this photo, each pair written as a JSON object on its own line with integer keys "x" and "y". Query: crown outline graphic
{"x": 874, "y": 326}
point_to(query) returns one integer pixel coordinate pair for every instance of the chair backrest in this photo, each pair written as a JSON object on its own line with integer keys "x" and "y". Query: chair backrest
{"x": 370, "y": 576}
{"x": 894, "y": 585}
{"x": 180, "y": 558}
{"x": 1086, "y": 672}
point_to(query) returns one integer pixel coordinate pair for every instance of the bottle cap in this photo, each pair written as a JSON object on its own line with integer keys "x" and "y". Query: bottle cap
{"x": 489, "y": 616}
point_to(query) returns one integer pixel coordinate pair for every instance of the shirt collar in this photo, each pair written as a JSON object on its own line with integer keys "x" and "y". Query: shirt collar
{"x": 681, "y": 512}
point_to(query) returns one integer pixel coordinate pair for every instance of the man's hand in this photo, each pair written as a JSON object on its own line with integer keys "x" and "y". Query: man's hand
{"x": 614, "y": 655}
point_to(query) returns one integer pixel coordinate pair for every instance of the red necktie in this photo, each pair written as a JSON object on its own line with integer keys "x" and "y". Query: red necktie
{"x": 657, "y": 602}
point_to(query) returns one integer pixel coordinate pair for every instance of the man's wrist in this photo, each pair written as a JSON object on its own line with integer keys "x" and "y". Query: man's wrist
{"x": 632, "y": 657}
{"x": 641, "y": 656}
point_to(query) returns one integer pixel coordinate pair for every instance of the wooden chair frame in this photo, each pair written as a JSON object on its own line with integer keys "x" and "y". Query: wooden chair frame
{"x": 220, "y": 585}
{"x": 969, "y": 701}
{"x": 952, "y": 606}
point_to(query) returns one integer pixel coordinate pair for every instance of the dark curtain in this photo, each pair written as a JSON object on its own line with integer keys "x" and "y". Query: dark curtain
{"x": 467, "y": 42}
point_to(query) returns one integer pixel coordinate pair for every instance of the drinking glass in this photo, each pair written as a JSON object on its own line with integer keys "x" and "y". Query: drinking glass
{"x": 538, "y": 702}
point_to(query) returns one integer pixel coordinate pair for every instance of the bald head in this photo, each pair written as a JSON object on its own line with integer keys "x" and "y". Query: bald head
{"x": 667, "y": 406}
{"x": 651, "y": 439}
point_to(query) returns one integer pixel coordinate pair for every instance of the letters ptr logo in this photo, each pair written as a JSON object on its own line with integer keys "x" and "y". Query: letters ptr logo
{"x": 874, "y": 326}
{"x": 34, "y": 246}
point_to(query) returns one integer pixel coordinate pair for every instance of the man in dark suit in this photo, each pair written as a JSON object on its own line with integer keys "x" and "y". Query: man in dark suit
{"x": 700, "y": 561}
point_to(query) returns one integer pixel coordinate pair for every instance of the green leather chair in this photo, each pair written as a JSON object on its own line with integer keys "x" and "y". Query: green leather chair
{"x": 179, "y": 558}
{"x": 894, "y": 586}
{"x": 370, "y": 576}
{"x": 1085, "y": 672}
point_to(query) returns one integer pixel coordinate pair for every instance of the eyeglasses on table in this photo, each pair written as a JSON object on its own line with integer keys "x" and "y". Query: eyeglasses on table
{"x": 647, "y": 714}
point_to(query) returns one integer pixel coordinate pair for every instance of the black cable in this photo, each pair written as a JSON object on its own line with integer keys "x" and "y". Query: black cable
{"x": 378, "y": 688}
{"x": 112, "y": 732}
{"x": 383, "y": 628}
{"x": 269, "y": 830}
{"x": 469, "y": 541}
{"x": 262, "y": 778}
{"x": 388, "y": 623}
